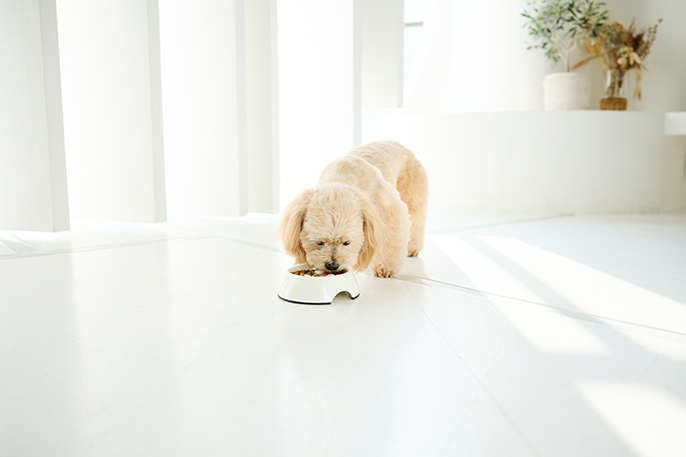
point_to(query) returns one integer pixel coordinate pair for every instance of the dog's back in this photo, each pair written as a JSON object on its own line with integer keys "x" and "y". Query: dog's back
{"x": 387, "y": 172}
{"x": 389, "y": 157}
{"x": 390, "y": 187}
{"x": 401, "y": 169}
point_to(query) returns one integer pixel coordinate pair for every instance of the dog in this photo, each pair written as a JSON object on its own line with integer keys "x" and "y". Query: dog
{"x": 368, "y": 208}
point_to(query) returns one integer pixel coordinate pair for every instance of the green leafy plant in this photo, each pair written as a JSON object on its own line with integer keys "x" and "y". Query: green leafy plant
{"x": 558, "y": 26}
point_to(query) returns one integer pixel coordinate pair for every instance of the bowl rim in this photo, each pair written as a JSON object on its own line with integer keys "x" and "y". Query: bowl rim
{"x": 302, "y": 266}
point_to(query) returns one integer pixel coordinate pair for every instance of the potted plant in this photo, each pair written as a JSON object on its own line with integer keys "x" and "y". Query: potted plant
{"x": 558, "y": 27}
{"x": 621, "y": 50}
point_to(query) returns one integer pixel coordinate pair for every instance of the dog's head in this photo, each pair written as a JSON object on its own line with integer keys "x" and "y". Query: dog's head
{"x": 331, "y": 228}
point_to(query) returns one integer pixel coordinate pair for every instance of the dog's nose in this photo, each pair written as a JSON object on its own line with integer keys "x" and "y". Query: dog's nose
{"x": 333, "y": 266}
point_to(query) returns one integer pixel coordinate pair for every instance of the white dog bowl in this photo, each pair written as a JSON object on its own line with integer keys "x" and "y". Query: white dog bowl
{"x": 316, "y": 290}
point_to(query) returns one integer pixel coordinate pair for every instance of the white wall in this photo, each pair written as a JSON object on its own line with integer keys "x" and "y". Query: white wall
{"x": 108, "y": 89}
{"x": 540, "y": 164}
{"x": 664, "y": 80}
{"x": 33, "y": 193}
{"x": 316, "y": 88}
{"x": 202, "y": 110}
{"x": 474, "y": 57}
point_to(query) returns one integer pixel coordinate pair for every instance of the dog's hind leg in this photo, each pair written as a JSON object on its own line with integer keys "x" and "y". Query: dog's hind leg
{"x": 413, "y": 187}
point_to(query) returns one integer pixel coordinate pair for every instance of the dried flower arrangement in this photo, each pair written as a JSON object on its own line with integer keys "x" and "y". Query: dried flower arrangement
{"x": 559, "y": 26}
{"x": 620, "y": 49}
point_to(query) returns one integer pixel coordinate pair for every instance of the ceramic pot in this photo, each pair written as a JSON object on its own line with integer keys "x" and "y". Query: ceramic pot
{"x": 566, "y": 91}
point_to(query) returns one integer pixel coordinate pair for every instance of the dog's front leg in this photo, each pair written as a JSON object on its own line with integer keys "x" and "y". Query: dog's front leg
{"x": 389, "y": 262}
{"x": 392, "y": 248}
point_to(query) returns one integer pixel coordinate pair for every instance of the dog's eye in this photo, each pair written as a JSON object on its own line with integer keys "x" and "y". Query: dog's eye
{"x": 320, "y": 243}
{"x": 346, "y": 243}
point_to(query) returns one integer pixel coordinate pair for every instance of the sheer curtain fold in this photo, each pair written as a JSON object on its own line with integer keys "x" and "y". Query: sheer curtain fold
{"x": 33, "y": 192}
{"x": 177, "y": 109}
{"x": 168, "y": 107}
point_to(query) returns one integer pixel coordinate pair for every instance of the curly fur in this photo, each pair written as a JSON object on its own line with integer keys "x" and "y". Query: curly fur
{"x": 368, "y": 209}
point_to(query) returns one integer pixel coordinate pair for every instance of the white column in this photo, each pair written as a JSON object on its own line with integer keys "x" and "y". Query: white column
{"x": 380, "y": 25}
{"x": 33, "y": 194}
{"x": 202, "y": 107}
{"x": 110, "y": 76}
{"x": 260, "y": 84}
{"x": 316, "y": 88}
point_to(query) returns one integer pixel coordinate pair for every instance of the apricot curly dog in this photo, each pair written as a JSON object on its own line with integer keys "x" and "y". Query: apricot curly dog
{"x": 369, "y": 208}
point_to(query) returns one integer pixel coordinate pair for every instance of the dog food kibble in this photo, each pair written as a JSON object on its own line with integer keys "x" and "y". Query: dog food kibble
{"x": 317, "y": 273}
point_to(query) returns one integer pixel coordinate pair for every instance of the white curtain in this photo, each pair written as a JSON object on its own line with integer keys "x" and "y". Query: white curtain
{"x": 174, "y": 109}
{"x": 107, "y": 88}
{"x": 32, "y": 173}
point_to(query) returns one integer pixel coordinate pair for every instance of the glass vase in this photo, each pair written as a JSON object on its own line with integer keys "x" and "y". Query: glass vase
{"x": 614, "y": 91}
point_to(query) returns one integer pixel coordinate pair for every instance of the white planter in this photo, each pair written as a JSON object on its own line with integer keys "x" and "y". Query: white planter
{"x": 566, "y": 91}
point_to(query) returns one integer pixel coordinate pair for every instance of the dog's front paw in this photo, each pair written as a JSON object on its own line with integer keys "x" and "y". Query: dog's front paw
{"x": 382, "y": 272}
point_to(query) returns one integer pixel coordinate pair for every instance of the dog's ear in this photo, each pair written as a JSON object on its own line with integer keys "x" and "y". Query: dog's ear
{"x": 292, "y": 224}
{"x": 370, "y": 225}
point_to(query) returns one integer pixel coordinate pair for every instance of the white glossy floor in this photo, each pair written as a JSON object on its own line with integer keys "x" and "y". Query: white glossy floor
{"x": 558, "y": 337}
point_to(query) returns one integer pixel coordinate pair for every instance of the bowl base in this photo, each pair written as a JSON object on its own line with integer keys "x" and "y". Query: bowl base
{"x": 315, "y": 303}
